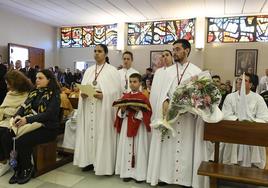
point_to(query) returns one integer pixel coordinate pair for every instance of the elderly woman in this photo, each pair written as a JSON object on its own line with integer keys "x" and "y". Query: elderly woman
{"x": 19, "y": 87}
{"x": 42, "y": 107}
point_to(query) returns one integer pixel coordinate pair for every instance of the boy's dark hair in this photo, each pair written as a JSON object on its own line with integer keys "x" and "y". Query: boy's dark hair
{"x": 136, "y": 75}
{"x": 149, "y": 69}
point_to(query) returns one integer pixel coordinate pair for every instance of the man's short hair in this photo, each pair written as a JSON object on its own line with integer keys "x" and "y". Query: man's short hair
{"x": 185, "y": 44}
{"x": 249, "y": 76}
{"x": 216, "y": 76}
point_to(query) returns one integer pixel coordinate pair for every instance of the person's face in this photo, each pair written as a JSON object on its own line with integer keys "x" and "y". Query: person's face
{"x": 167, "y": 58}
{"x": 217, "y": 82}
{"x": 247, "y": 83}
{"x": 18, "y": 64}
{"x": 148, "y": 83}
{"x": 179, "y": 53}
{"x": 99, "y": 54}
{"x": 27, "y": 64}
{"x": 127, "y": 61}
{"x": 223, "y": 87}
{"x": 250, "y": 70}
{"x": 228, "y": 82}
{"x": 41, "y": 80}
{"x": 134, "y": 84}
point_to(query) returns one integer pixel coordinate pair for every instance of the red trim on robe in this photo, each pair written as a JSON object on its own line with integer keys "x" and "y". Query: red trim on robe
{"x": 134, "y": 124}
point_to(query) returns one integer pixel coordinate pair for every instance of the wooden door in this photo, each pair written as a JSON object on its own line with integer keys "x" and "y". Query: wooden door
{"x": 37, "y": 57}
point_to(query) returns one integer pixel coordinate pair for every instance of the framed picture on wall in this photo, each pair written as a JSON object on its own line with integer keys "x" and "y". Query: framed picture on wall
{"x": 155, "y": 59}
{"x": 246, "y": 59}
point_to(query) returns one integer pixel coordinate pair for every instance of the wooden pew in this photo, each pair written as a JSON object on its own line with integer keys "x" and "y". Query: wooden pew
{"x": 236, "y": 132}
{"x": 45, "y": 155}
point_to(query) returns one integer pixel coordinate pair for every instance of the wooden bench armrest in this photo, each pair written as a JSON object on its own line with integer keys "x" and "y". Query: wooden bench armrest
{"x": 234, "y": 173}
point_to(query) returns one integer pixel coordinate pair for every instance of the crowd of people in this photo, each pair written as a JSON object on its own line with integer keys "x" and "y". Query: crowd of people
{"x": 119, "y": 140}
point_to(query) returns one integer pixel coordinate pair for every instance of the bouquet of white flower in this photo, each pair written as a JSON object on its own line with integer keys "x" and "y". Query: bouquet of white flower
{"x": 198, "y": 96}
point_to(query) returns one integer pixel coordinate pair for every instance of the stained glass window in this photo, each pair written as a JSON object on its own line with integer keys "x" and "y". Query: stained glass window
{"x": 111, "y": 34}
{"x": 133, "y": 33}
{"x": 66, "y": 36}
{"x": 88, "y": 35}
{"x": 160, "y": 32}
{"x": 77, "y": 37}
{"x": 99, "y": 34}
{"x": 238, "y": 29}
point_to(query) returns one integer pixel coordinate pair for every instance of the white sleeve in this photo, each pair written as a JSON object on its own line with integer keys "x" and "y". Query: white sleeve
{"x": 139, "y": 115}
{"x": 262, "y": 111}
{"x": 228, "y": 110}
{"x": 121, "y": 115}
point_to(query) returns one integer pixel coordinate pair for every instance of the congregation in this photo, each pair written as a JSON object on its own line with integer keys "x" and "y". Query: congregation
{"x": 120, "y": 140}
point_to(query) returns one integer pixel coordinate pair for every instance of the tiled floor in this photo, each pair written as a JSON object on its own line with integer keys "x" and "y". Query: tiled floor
{"x": 72, "y": 176}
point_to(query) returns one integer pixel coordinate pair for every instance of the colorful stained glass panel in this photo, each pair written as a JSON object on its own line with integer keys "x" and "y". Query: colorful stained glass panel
{"x": 77, "y": 37}
{"x": 111, "y": 35}
{"x": 66, "y": 37}
{"x": 238, "y": 29}
{"x": 88, "y": 36}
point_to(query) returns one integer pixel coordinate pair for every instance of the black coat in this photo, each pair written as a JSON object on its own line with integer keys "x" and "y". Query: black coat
{"x": 50, "y": 117}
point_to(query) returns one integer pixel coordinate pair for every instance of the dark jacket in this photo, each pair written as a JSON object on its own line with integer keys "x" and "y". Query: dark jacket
{"x": 50, "y": 117}
{"x": 30, "y": 73}
{"x": 3, "y": 85}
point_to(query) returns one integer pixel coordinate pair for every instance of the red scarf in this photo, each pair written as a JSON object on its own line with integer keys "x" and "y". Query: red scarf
{"x": 132, "y": 123}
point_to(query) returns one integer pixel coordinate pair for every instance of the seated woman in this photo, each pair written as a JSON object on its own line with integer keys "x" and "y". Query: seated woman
{"x": 65, "y": 104}
{"x": 19, "y": 87}
{"x": 43, "y": 107}
{"x": 75, "y": 91}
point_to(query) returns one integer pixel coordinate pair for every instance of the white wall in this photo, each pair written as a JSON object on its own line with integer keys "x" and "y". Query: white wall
{"x": 220, "y": 58}
{"x": 141, "y": 56}
{"x": 20, "y": 30}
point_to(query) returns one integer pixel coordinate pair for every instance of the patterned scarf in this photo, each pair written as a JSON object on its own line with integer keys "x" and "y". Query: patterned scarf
{"x": 46, "y": 95}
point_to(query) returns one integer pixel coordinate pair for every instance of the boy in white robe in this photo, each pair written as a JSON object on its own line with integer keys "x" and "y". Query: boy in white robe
{"x": 249, "y": 107}
{"x": 133, "y": 125}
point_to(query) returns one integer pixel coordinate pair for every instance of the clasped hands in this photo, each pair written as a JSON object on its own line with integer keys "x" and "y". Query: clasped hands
{"x": 19, "y": 121}
{"x": 124, "y": 108}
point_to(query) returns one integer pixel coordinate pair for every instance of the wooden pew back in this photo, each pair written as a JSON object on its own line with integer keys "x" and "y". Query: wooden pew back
{"x": 237, "y": 132}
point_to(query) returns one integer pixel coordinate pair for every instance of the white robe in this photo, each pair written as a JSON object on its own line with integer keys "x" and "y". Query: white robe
{"x": 159, "y": 90}
{"x": 263, "y": 86}
{"x": 95, "y": 135}
{"x": 124, "y": 151}
{"x": 124, "y": 74}
{"x": 176, "y": 159}
{"x": 245, "y": 155}
{"x": 70, "y": 132}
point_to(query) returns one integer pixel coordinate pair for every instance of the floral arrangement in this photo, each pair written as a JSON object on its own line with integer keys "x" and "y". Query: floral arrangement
{"x": 199, "y": 96}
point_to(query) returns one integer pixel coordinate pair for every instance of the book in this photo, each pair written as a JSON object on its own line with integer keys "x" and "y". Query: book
{"x": 87, "y": 89}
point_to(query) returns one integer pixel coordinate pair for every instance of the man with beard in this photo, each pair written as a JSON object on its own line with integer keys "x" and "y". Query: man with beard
{"x": 173, "y": 159}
